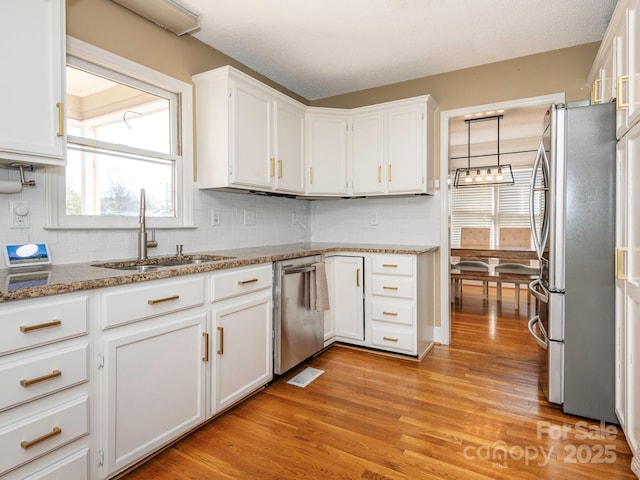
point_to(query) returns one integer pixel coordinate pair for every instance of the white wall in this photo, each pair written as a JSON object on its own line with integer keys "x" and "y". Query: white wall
{"x": 272, "y": 226}
{"x": 411, "y": 220}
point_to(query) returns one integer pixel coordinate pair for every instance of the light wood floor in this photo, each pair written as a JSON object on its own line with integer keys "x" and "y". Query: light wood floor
{"x": 471, "y": 410}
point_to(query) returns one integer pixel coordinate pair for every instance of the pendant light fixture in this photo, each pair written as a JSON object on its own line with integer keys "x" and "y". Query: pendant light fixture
{"x": 483, "y": 175}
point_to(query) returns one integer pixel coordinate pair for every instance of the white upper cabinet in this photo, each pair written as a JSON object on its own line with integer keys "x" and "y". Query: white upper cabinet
{"x": 367, "y": 152}
{"x": 249, "y": 135}
{"x": 326, "y": 151}
{"x": 288, "y": 169}
{"x": 32, "y": 125}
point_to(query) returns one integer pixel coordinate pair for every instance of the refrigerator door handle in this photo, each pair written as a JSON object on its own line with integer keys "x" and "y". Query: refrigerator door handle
{"x": 542, "y": 296}
{"x": 539, "y": 237}
{"x": 542, "y": 342}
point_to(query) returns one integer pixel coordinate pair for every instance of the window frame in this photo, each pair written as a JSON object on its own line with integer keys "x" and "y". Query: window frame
{"x": 183, "y": 187}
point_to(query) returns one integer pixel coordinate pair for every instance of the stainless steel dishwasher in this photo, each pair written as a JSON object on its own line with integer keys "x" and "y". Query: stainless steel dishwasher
{"x": 298, "y": 329}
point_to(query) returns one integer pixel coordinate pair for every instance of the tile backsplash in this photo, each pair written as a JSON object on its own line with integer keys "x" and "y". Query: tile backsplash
{"x": 410, "y": 220}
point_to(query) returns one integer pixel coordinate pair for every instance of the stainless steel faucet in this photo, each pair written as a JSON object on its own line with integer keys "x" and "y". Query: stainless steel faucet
{"x": 143, "y": 243}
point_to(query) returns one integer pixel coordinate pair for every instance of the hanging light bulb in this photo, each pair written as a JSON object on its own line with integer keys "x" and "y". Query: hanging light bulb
{"x": 467, "y": 177}
{"x": 478, "y": 176}
{"x": 499, "y": 175}
{"x": 489, "y": 177}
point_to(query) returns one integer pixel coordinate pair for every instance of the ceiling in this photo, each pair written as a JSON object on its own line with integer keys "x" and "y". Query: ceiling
{"x": 319, "y": 49}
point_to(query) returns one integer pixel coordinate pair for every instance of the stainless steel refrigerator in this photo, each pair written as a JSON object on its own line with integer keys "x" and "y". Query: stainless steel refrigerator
{"x": 573, "y": 225}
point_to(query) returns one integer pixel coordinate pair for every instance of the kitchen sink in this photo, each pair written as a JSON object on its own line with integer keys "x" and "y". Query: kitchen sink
{"x": 154, "y": 263}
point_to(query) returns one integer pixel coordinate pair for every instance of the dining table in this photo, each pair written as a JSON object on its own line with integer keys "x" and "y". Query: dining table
{"x": 482, "y": 252}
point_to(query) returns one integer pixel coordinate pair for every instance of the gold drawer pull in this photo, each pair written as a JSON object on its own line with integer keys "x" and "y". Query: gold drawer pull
{"x": 391, "y": 314}
{"x": 389, "y": 288}
{"x": 60, "y": 107}
{"x": 272, "y": 172}
{"x": 379, "y": 173}
{"x": 279, "y": 168}
{"x": 390, "y": 265}
{"x": 30, "y": 328}
{"x": 389, "y": 339}
{"x": 205, "y": 358}
{"x": 221, "y": 349}
{"x": 311, "y": 175}
{"x": 27, "y": 383}
{"x": 620, "y": 105}
{"x": 30, "y": 443}
{"x": 619, "y": 263}
{"x": 357, "y": 277}
{"x": 165, "y": 299}
{"x": 244, "y": 282}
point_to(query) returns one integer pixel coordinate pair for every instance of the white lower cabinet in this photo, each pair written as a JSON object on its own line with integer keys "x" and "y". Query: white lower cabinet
{"x": 243, "y": 348}
{"x": 154, "y": 382}
{"x": 242, "y": 319}
{"x": 398, "y": 311}
{"x": 45, "y": 399}
{"x": 346, "y": 300}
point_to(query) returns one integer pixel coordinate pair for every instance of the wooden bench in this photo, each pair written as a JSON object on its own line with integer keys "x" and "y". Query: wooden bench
{"x": 458, "y": 276}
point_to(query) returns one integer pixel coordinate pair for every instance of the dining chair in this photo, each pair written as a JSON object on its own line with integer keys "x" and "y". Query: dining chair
{"x": 472, "y": 237}
{"x": 514, "y": 237}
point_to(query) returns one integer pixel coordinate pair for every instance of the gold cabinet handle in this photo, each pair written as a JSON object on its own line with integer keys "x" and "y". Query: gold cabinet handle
{"x": 165, "y": 299}
{"x": 221, "y": 348}
{"x": 596, "y": 90}
{"x": 389, "y": 288}
{"x": 379, "y": 173}
{"x": 391, "y": 314}
{"x": 619, "y": 263}
{"x": 27, "y": 383}
{"x": 357, "y": 277}
{"x": 390, "y": 265}
{"x": 40, "y": 326}
{"x": 620, "y": 105}
{"x": 244, "y": 282}
{"x": 390, "y": 339}
{"x": 30, "y": 443}
{"x": 60, "y": 107}
{"x": 279, "y": 168}
{"x": 205, "y": 357}
{"x": 272, "y": 172}
{"x": 311, "y": 175}
{"x": 389, "y": 172}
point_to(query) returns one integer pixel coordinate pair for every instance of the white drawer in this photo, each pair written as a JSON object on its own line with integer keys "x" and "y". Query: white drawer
{"x": 41, "y": 375}
{"x": 127, "y": 304}
{"x": 240, "y": 281}
{"x": 71, "y": 467}
{"x": 36, "y": 435}
{"x": 392, "y": 265}
{"x": 399, "y": 339}
{"x": 392, "y": 312}
{"x": 390, "y": 286}
{"x": 30, "y": 323}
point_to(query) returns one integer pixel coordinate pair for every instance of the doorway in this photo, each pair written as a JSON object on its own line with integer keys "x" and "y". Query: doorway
{"x": 446, "y": 119}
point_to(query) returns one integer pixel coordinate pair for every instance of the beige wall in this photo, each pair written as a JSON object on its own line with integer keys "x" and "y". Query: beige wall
{"x": 557, "y": 71}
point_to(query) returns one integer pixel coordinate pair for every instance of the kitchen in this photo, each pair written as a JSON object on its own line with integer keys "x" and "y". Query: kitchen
{"x": 94, "y": 22}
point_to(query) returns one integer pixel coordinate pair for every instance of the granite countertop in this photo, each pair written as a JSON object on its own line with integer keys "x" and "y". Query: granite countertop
{"x": 21, "y": 284}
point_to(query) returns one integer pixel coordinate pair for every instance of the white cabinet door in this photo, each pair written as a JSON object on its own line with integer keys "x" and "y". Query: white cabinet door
{"x": 327, "y": 153}
{"x": 289, "y": 154}
{"x": 633, "y": 59}
{"x": 32, "y": 33}
{"x": 329, "y": 321}
{"x": 405, "y": 149}
{"x": 620, "y": 282}
{"x": 632, "y": 271}
{"x": 242, "y": 348}
{"x": 367, "y": 153}
{"x": 154, "y": 381}
{"x": 348, "y": 302}
{"x": 251, "y": 135}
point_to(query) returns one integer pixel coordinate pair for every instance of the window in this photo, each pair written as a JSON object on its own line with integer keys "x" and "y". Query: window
{"x": 125, "y": 125}
{"x": 495, "y": 207}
